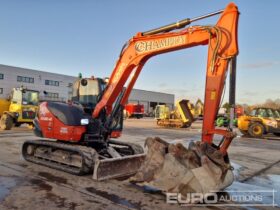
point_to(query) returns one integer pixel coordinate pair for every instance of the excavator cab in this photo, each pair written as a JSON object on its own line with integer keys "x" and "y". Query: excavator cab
{"x": 87, "y": 92}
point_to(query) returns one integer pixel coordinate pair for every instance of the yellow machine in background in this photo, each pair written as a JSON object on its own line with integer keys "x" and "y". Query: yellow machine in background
{"x": 21, "y": 107}
{"x": 261, "y": 120}
{"x": 181, "y": 117}
{"x": 4, "y": 106}
{"x": 198, "y": 109}
{"x": 162, "y": 112}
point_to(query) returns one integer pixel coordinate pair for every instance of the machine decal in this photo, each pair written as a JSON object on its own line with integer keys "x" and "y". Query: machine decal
{"x": 46, "y": 118}
{"x": 213, "y": 95}
{"x": 63, "y": 130}
{"x": 147, "y": 46}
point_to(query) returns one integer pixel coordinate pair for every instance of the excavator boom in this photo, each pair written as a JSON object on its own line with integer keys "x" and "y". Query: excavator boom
{"x": 222, "y": 41}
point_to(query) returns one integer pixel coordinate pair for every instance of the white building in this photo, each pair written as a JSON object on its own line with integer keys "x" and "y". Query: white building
{"x": 59, "y": 86}
{"x": 150, "y": 99}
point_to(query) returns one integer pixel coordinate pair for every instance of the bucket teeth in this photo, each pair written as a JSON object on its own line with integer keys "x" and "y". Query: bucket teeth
{"x": 174, "y": 168}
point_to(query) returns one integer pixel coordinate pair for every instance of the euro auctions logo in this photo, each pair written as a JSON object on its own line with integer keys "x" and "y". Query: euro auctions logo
{"x": 192, "y": 198}
{"x": 229, "y": 198}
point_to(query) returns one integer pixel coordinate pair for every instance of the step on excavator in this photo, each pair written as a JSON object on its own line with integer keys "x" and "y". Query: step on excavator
{"x": 83, "y": 140}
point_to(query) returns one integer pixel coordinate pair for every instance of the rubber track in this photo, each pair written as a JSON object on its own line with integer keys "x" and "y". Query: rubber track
{"x": 88, "y": 155}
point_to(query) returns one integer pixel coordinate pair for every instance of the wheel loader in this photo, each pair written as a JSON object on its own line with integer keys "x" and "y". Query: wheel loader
{"x": 82, "y": 140}
{"x": 21, "y": 107}
{"x": 260, "y": 121}
{"x": 180, "y": 117}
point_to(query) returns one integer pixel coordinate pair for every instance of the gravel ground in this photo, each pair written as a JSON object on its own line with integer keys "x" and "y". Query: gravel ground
{"x": 24, "y": 185}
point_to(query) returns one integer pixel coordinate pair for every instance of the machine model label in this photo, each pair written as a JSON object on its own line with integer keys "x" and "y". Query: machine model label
{"x": 63, "y": 130}
{"x": 158, "y": 44}
{"x": 46, "y": 118}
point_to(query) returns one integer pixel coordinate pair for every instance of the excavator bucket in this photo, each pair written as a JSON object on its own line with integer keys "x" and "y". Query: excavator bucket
{"x": 117, "y": 167}
{"x": 173, "y": 168}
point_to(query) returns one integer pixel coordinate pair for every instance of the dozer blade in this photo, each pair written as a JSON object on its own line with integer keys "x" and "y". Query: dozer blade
{"x": 117, "y": 167}
{"x": 173, "y": 168}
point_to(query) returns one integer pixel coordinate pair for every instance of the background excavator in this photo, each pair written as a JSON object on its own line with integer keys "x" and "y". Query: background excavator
{"x": 181, "y": 117}
{"x": 83, "y": 141}
{"x": 184, "y": 114}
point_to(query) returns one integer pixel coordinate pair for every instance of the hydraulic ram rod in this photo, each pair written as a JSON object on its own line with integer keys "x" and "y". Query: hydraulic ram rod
{"x": 179, "y": 24}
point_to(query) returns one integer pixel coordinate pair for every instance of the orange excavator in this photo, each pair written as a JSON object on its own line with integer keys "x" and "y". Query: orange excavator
{"x": 83, "y": 139}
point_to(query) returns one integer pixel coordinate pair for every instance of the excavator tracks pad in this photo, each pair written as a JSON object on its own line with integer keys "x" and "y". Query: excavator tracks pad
{"x": 73, "y": 159}
{"x": 80, "y": 160}
{"x": 173, "y": 168}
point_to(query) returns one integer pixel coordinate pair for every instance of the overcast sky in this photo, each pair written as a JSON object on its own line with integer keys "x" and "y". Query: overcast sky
{"x": 70, "y": 36}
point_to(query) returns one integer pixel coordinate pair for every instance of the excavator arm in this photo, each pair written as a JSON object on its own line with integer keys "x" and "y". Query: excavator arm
{"x": 222, "y": 47}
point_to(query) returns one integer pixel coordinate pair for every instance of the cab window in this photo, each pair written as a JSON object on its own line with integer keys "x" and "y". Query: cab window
{"x": 88, "y": 94}
{"x": 262, "y": 113}
{"x": 253, "y": 112}
{"x": 277, "y": 114}
{"x": 30, "y": 98}
{"x": 270, "y": 113}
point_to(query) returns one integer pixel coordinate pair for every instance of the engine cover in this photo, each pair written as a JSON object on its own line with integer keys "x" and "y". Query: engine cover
{"x": 61, "y": 121}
